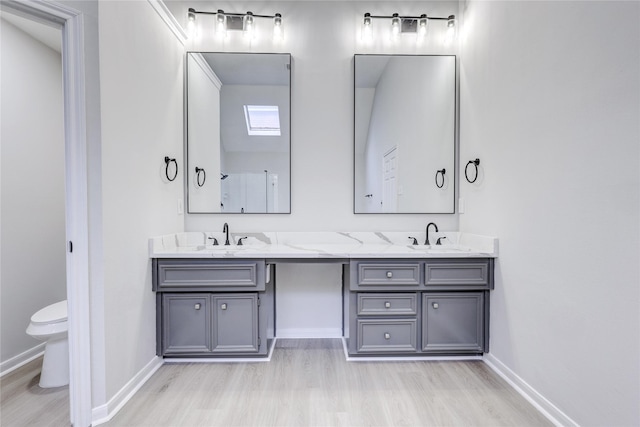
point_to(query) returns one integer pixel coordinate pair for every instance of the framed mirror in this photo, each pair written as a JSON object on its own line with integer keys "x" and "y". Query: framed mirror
{"x": 238, "y": 132}
{"x": 404, "y": 133}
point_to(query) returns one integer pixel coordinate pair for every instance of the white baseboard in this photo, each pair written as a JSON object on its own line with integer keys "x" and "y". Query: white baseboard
{"x": 548, "y": 409}
{"x": 104, "y": 413}
{"x": 21, "y": 359}
{"x": 309, "y": 333}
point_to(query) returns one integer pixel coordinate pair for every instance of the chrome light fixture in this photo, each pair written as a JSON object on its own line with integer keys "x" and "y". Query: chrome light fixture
{"x": 225, "y": 21}
{"x": 407, "y": 24}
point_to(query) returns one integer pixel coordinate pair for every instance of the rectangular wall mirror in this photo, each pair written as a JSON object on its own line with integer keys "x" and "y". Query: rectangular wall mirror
{"x": 404, "y": 134}
{"x": 238, "y": 132}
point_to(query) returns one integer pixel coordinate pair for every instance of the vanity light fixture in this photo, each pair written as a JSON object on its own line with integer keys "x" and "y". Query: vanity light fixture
{"x": 225, "y": 21}
{"x": 407, "y": 24}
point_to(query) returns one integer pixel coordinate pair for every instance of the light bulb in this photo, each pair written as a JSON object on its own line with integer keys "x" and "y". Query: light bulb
{"x": 191, "y": 23}
{"x": 249, "y": 25}
{"x": 395, "y": 25}
{"x": 221, "y": 28}
{"x": 422, "y": 25}
{"x": 367, "y": 30}
{"x": 450, "y": 34}
{"x": 278, "y": 31}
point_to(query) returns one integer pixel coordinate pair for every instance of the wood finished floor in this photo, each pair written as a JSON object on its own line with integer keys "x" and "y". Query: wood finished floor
{"x": 307, "y": 383}
{"x": 24, "y": 403}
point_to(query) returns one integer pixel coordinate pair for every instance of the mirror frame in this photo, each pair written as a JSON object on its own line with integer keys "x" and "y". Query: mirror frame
{"x": 187, "y": 169}
{"x": 456, "y": 114}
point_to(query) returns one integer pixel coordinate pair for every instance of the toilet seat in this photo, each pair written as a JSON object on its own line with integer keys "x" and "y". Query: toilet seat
{"x": 49, "y": 322}
{"x": 54, "y": 313}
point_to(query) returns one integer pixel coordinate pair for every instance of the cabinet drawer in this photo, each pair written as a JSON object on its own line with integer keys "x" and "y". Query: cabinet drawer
{"x": 405, "y": 274}
{"x": 387, "y": 304}
{"x": 455, "y": 274}
{"x": 202, "y": 274}
{"x": 386, "y": 336}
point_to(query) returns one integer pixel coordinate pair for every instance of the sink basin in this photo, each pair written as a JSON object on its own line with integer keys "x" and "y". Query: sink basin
{"x": 439, "y": 249}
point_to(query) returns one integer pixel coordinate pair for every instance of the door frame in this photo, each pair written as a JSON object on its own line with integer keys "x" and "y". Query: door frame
{"x": 71, "y": 21}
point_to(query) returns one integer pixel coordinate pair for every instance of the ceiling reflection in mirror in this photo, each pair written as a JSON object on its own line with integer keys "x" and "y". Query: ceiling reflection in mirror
{"x": 238, "y": 132}
{"x": 404, "y": 135}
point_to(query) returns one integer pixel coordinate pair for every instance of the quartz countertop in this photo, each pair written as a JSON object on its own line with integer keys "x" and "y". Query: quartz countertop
{"x": 318, "y": 245}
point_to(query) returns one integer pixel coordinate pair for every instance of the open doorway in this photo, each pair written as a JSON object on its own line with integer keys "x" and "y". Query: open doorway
{"x": 32, "y": 232}
{"x": 71, "y": 23}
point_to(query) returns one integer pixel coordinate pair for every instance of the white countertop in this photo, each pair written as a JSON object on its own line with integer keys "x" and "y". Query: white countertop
{"x": 319, "y": 245}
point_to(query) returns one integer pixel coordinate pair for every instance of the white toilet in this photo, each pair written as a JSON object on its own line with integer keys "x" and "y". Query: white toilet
{"x": 50, "y": 325}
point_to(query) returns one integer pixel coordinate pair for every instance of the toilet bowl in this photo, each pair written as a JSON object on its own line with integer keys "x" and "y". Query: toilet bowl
{"x": 50, "y": 325}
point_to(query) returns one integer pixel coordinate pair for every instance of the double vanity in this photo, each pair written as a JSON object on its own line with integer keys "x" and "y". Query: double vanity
{"x": 399, "y": 299}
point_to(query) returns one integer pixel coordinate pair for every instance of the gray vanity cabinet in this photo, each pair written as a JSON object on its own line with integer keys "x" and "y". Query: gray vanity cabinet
{"x": 213, "y": 308}
{"x": 413, "y": 307}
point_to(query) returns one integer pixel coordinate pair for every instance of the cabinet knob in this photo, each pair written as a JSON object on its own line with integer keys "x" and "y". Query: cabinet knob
{"x": 387, "y": 304}
{"x": 387, "y": 336}
{"x": 223, "y": 306}
{"x": 389, "y": 274}
{"x": 197, "y": 306}
{"x": 435, "y": 305}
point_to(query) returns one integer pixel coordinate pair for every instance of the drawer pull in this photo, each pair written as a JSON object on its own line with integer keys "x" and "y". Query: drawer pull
{"x": 389, "y": 274}
{"x": 197, "y": 306}
{"x": 387, "y": 304}
{"x": 223, "y": 306}
{"x": 435, "y": 305}
{"x": 387, "y": 336}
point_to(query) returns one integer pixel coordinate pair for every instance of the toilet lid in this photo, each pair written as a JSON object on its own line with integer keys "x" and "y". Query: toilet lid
{"x": 53, "y": 313}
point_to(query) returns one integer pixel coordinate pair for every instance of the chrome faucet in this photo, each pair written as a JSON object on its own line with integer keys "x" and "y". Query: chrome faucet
{"x": 225, "y": 229}
{"x": 426, "y": 242}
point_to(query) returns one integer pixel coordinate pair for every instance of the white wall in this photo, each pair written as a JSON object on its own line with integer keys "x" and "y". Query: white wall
{"x": 550, "y": 104}
{"x": 33, "y": 197}
{"x": 141, "y": 75}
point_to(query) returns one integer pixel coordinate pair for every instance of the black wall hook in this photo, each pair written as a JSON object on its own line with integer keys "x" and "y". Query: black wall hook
{"x": 475, "y": 164}
{"x": 167, "y": 162}
{"x": 440, "y": 172}
{"x": 198, "y": 175}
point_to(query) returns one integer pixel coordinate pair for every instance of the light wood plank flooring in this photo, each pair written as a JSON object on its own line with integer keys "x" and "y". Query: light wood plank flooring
{"x": 24, "y": 403}
{"x": 309, "y": 383}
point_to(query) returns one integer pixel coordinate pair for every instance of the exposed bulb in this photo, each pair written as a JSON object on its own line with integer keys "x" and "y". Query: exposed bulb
{"x": 367, "y": 30}
{"x": 249, "y": 28}
{"x": 221, "y": 28}
{"x": 278, "y": 31}
{"x": 191, "y": 23}
{"x": 422, "y": 25}
{"x": 395, "y": 25}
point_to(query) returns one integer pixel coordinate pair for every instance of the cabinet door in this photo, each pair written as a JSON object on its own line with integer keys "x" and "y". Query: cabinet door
{"x": 235, "y": 323}
{"x": 452, "y": 322}
{"x": 186, "y": 324}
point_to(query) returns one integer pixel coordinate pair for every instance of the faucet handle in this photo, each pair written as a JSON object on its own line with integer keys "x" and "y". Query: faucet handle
{"x": 439, "y": 241}
{"x": 414, "y": 242}
{"x": 215, "y": 241}
{"x": 240, "y": 240}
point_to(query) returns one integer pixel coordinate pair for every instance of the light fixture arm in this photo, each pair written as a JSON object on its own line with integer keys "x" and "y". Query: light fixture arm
{"x": 202, "y": 12}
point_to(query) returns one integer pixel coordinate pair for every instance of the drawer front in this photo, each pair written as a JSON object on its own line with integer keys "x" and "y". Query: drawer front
{"x": 387, "y": 336}
{"x": 387, "y": 304}
{"x": 405, "y": 274}
{"x": 469, "y": 273}
{"x": 219, "y": 275}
